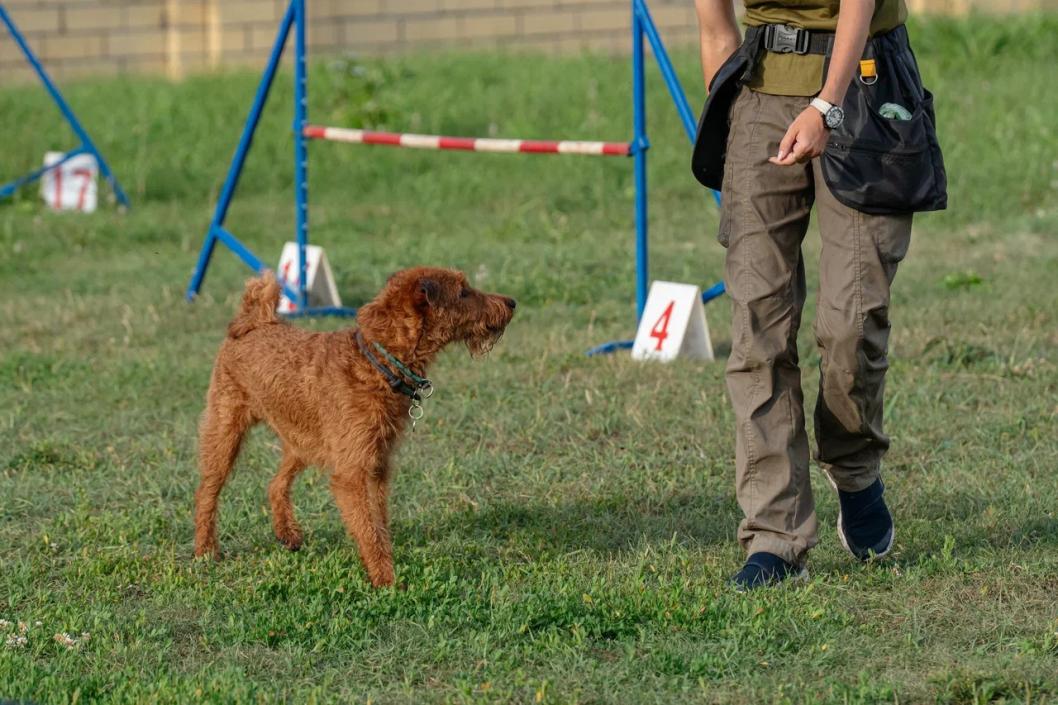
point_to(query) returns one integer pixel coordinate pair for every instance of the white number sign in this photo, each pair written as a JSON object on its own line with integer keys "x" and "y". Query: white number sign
{"x": 673, "y": 325}
{"x": 322, "y": 291}
{"x": 71, "y": 185}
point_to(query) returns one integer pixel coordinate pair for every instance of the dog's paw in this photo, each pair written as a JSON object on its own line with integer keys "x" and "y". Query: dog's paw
{"x": 382, "y": 578}
{"x": 291, "y": 539}
{"x": 210, "y": 551}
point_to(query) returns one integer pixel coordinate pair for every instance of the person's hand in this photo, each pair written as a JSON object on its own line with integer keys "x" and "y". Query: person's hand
{"x": 804, "y": 140}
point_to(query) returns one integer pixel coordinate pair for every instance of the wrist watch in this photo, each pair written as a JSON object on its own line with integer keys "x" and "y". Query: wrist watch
{"x": 833, "y": 116}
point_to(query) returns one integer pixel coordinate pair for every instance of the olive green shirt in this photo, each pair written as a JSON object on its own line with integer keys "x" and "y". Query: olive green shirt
{"x": 802, "y": 74}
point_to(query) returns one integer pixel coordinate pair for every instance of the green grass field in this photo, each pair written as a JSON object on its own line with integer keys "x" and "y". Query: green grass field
{"x": 564, "y": 525}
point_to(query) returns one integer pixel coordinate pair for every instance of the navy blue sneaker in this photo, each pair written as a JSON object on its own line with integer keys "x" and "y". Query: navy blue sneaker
{"x": 764, "y": 569}
{"x": 864, "y": 522}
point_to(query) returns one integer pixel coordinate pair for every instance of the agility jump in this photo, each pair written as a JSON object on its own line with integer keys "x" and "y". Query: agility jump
{"x": 87, "y": 146}
{"x": 295, "y": 18}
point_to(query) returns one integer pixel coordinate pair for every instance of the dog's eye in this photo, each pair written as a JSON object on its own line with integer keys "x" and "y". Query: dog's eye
{"x": 464, "y": 293}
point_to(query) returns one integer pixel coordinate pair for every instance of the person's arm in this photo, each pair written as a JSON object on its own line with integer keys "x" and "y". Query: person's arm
{"x": 807, "y": 136}
{"x": 719, "y": 34}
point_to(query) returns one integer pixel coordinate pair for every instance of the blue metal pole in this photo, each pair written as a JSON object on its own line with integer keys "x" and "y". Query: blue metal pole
{"x": 642, "y": 23}
{"x": 301, "y": 190}
{"x": 672, "y": 81}
{"x": 12, "y": 186}
{"x": 679, "y": 98}
{"x": 716, "y": 290}
{"x": 640, "y": 146}
{"x": 86, "y": 142}
{"x": 237, "y": 162}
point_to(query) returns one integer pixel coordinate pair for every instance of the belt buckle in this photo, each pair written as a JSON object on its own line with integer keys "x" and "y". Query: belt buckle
{"x": 786, "y": 39}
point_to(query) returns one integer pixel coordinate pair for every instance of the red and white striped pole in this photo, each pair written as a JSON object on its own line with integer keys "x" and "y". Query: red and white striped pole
{"x": 468, "y": 144}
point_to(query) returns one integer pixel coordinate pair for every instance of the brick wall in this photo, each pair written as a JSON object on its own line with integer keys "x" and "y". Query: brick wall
{"x": 78, "y": 37}
{"x": 174, "y": 37}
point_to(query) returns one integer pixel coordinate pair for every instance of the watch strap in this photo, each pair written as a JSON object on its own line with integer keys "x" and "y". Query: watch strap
{"x": 821, "y": 105}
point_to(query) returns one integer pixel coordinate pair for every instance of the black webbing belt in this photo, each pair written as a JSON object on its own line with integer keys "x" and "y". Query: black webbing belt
{"x": 786, "y": 39}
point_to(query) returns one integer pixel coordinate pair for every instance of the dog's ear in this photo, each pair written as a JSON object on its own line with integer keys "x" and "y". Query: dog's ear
{"x": 427, "y": 292}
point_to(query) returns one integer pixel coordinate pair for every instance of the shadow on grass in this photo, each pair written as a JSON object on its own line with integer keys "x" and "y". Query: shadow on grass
{"x": 1002, "y": 518}
{"x": 608, "y": 525}
{"x": 962, "y": 527}
{"x": 932, "y": 528}
{"x": 603, "y": 525}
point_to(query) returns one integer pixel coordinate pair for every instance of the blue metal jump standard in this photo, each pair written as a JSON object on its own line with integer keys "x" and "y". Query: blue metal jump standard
{"x": 642, "y": 25}
{"x": 294, "y": 17}
{"x": 86, "y": 146}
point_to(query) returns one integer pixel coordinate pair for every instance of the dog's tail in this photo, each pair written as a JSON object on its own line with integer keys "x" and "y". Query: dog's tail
{"x": 258, "y": 307}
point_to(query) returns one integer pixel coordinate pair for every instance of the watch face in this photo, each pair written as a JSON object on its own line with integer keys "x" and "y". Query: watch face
{"x": 834, "y": 117}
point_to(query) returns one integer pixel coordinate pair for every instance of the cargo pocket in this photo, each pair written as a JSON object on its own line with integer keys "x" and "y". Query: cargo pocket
{"x": 891, "y": 235}
{"x": 723, "y": 235}
{"x": 728, "y": 199}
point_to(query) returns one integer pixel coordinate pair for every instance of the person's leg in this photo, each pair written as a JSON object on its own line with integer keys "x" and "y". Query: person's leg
{"x": 858, "y": 262}
{"x": 765, "y": 213}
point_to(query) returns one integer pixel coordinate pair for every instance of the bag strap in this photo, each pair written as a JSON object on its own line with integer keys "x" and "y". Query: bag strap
{"x": 751, "y": 49}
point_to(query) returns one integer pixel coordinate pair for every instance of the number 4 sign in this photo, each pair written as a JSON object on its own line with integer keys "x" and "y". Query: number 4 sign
{"x": 673, "y": 324}
{"x": 72, "y": 184}
{"x": 322, "y": 291}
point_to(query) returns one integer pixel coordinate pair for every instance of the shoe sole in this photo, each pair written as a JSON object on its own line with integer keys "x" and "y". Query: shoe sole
{"x": 845, "y": 540}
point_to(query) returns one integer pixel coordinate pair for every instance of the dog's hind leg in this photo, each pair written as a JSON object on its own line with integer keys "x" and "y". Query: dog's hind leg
{"x": 220, "y": 436}
{"x": 286, "y": 526}
{"x": 355, "y": 495}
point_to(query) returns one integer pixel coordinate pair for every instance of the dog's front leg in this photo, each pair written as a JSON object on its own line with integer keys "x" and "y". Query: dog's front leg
{"x": 355, "y": 494}
{"x": 382, "y": 495}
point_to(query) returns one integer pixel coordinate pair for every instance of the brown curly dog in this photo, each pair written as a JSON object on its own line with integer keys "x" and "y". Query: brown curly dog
{"x": 337, "y": 400}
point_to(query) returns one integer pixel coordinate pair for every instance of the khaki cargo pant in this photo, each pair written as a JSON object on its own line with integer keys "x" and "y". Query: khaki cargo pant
{"x": 764, "y": 218}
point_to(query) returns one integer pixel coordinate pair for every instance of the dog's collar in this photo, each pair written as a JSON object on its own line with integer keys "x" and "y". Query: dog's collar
{"x": 403, "y": 380}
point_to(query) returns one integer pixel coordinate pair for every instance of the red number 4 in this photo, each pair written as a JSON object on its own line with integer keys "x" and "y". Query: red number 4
{"x": 661, "y": 328}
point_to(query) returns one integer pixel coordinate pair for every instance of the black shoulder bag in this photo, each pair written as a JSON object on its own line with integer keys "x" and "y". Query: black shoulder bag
{"x": 879, "y": 164}
{"x": 875, "y": 164}
{"x": 710, "y": 145}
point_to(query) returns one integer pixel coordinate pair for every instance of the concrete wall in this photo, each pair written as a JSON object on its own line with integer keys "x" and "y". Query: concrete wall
{"x": 174, "y": 37}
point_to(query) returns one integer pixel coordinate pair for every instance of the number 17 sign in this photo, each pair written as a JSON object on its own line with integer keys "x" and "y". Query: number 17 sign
{"x": 70, "y": 185}
{"x": 673, "y": 325}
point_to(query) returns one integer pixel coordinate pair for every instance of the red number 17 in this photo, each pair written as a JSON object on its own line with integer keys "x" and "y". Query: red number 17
{"x": 661, "y": 328}
{"x": 86, "y": 181}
